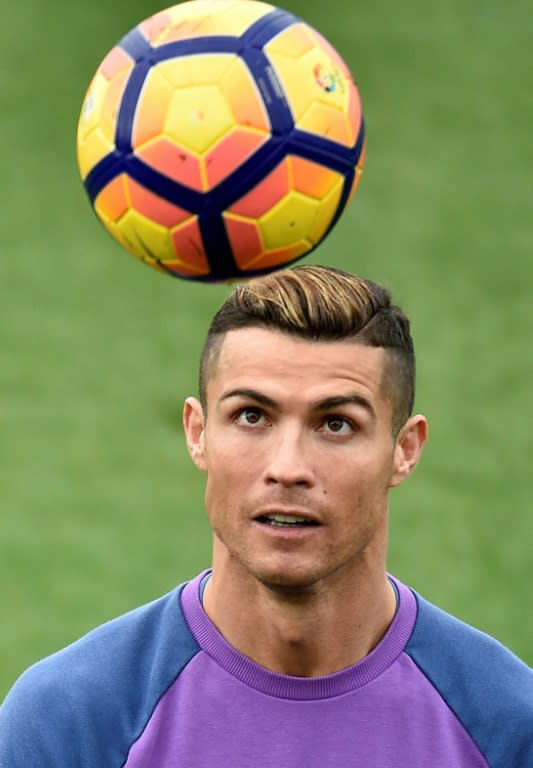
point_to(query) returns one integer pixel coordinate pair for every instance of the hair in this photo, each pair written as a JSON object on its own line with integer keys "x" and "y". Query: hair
{"x": 321, "y": 304}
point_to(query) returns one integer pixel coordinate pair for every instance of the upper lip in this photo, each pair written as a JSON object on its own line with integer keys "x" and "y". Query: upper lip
{"x": 288, "y": 511}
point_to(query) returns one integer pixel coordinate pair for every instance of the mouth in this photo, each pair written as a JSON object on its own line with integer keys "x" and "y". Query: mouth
{"x": 286, "y": 521}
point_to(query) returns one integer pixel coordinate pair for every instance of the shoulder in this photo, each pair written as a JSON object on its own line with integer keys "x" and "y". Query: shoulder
{"x": 489, "y": 689}
{"x": 98, "y": 691}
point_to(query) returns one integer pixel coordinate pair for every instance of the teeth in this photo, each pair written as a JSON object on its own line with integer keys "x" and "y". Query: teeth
{"x": 288, "y": 519}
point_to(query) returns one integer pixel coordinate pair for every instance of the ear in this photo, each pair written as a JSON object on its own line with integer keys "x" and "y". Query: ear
{"x": 194, "y": 426}
{"x": 408, "y": 448}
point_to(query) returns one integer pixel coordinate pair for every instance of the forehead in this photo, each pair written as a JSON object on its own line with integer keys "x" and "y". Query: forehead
{"x": 263, "y": 358}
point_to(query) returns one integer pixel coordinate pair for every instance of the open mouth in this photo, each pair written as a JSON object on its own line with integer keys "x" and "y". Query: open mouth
{"x": 286, "y": 521}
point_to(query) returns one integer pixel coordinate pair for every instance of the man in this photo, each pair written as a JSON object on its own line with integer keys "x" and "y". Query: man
{"x": 297, "y": 648}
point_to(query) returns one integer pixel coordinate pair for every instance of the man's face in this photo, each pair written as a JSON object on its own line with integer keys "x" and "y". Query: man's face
{"x": 299, "y": 455}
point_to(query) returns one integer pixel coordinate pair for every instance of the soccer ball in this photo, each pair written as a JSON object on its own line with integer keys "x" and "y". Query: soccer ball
{"x": 221, "y": 139}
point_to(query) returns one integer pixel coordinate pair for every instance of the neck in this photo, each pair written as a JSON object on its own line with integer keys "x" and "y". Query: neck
{"x": 306, "y": 632}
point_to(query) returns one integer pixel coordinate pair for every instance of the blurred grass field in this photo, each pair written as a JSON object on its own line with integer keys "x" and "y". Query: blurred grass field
{"x": 100, "y": 507}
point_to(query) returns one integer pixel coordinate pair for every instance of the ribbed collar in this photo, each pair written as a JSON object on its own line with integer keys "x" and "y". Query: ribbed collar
{"x": 299, "y": 688}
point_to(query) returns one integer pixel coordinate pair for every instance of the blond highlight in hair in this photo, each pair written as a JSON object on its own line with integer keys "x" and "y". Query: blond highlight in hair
{"x": 321, "y": 304}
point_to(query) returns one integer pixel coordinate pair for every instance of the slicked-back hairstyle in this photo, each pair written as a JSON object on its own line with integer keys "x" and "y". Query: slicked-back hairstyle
{"x": 322, "y": 304}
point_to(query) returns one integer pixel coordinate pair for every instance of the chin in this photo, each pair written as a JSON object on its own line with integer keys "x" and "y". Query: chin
{"x": 288, "y": 580}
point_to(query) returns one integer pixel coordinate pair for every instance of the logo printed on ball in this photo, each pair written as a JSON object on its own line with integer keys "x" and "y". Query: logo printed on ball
{"x": 326, "y": 80}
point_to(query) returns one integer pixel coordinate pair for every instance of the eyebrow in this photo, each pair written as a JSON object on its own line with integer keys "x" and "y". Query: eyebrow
{"x": 251, "y": 394}
{"x": 327, "y": 404}
{"x": 339, "y": 400}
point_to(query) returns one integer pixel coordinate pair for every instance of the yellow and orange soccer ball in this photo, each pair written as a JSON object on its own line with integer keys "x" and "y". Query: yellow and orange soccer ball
{"x": 221, "y": 139}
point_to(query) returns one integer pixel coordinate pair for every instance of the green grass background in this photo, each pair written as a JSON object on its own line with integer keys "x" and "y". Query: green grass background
{"x": 100, "y": 507}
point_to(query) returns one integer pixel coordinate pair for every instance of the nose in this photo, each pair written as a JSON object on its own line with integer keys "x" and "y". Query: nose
{"x": 289, "y": 463}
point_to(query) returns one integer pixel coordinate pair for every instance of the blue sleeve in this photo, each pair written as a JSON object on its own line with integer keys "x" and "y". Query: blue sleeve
{"x": 487, "y": 687}
{"x": 85, "y": 706}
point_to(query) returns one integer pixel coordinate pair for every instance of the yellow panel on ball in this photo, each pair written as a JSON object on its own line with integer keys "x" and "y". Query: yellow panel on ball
{"x": 244, "y": 98}
{"x": 199, "y": 69}
{"x": 292, "y": 43}
{"x": 96, "y": 127}
{"x": 198, "y": 117}
{"x": 114, "y": 230}
{"x": 95, "y": 138}
{"x": 313, "y": 78}
{"x": 325, "y": 213}
{"x": 145, "y": 237}
{"x": 91, "y": 149}
{"x": 289, "y": 222}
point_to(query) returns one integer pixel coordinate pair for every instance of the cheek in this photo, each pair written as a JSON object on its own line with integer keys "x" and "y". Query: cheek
{"x": 230, "y": 459}
{"x": 228, "y": 474}
{"x": 376, "y": 465}
{"x": 362, "y": 484}
{"x": 363, "y": 467}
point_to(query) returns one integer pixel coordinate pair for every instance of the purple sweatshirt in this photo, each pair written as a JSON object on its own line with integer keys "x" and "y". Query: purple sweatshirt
{"x": 161, "y": 688}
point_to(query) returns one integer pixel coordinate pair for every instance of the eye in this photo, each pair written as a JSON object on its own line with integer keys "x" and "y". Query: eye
{"x": 337, "y": 425}
{"x": 249, "y": 417}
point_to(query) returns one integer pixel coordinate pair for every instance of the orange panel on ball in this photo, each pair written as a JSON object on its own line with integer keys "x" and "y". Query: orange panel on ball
{"x": 230, "y": 153}
{"x": 334, "y": 54}
{"x": 266, "y": 194}
{"x": 115, "y": 60}
{"x": 154, "y": 207}
{"x": 357, "y": 175}
{"x": 174, "y": 162}
{"x": 280, "y": 256}
{"x": 245, "y": 240}
{"x": 112, "y": 202}
{"x": 182, "y": 270}
{"x": 191, "y": 258}
{"x": 145, "y": 238}
{"x": 329, "y": 122}
{"x": 182, "y": 31}
{"x": 155, "y": 26}
{"x": 313, "y": 179}
{"x": 355, "y": 114}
